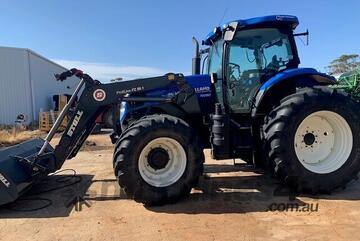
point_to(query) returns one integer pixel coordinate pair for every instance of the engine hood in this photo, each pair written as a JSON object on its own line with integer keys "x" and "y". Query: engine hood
{"x": 203, "y": 89}
{"x": 200, "y": 83}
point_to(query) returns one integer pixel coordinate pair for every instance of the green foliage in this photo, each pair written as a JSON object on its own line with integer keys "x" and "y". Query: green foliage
{"x": 343, "y": 64}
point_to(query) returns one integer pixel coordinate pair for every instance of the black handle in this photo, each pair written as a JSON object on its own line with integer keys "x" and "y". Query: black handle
{"x": 64, "y": 75}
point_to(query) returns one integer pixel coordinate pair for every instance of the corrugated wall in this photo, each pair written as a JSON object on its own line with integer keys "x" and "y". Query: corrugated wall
{"x": 44, "y": 84}
{"x": 27, "y": 84}
{"x": 14, "y": 88}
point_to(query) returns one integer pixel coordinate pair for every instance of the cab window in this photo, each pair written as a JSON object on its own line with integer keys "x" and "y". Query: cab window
{"x": 215, "y": 66}
{"x": 252, "y": 54}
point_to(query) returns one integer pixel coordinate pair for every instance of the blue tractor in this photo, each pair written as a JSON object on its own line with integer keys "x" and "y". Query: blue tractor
{"x": 253, "y": 103}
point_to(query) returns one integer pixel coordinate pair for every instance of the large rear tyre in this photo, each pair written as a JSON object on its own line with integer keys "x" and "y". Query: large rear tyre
{"x": 158, "y": 160}
{"x": 311, "y": 139}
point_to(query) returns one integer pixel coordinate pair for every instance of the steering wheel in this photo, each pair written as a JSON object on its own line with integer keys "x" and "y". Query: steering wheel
{"x": 232, "y": 68}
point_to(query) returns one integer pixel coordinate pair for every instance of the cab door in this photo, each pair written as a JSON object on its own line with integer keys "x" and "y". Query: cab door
{"x": 253, "y": 56}
{"x": 215, "y": 67}
{"x": 242, "y": 78}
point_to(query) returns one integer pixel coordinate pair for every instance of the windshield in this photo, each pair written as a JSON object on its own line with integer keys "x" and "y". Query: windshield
{"x": 252, "y": 54}
{"x": 215, "y": 58}
{"x": 260, "y": 50}
{"x": 215, "y": 66}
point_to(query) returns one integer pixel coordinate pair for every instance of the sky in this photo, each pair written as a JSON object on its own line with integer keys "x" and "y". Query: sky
{"x": 133, "y": 39}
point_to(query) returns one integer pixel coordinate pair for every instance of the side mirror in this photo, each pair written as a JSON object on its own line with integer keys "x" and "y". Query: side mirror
{"x": 230, "y": 30}
{"x": 304, "y": 34}
{"x": 213, "y": 77}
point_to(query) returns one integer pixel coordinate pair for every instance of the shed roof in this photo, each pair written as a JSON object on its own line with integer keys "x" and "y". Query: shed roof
{"x": 34, "y": 53}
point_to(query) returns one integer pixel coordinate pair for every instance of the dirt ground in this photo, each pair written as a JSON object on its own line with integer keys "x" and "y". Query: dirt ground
{"x": 230, "y": 203}
{"x": 12, "y": 136}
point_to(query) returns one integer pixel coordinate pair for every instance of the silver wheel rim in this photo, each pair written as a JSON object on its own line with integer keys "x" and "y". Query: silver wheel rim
{"x": 173, "y": 170}
{"x": 323, "y": 142}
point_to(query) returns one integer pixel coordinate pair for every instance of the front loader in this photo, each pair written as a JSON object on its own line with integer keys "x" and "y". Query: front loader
{"x": 253, "y": 103}
{"x": 24, "y": 164}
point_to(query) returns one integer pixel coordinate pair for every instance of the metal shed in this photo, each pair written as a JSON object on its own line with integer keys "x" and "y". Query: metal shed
{"x": 27, "y": 84}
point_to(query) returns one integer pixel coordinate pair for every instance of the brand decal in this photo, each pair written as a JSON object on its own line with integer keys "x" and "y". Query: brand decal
{"x": 132, "y": 90}
{"x": 203, "y": 89}
{"x": 99, "y": 95}
{"x": 283, "y": 17}
{"x": 4, "y": 181}
{"x": 75, "y": 122}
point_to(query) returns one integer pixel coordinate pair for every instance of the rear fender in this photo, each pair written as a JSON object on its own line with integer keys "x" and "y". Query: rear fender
{"x": 283, "y": 82}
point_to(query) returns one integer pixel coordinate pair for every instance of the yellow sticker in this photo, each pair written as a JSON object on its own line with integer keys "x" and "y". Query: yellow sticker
{"x": 171, "y": 77}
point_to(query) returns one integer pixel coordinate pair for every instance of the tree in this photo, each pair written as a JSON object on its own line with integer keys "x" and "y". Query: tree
{"x": 344, "y": 63}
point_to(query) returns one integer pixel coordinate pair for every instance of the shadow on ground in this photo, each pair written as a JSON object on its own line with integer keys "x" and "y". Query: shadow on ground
{"x": 56, "y": 196}
{"x": 246, "y": 193}
{"x": 222, "y": 189}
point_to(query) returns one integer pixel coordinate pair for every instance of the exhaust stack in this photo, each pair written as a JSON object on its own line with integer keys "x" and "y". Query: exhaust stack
{"x": 196, "y": 60}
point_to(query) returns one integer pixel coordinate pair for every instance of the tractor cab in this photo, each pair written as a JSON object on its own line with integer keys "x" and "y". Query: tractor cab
{"x": 244, "y": 54}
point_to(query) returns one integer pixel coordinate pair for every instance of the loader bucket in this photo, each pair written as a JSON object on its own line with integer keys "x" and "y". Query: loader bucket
{"x": 16, "y": 174}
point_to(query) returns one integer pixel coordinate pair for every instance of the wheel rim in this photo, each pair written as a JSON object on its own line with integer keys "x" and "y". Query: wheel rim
{"x": 323, "y": 142}
{"x": 161, "y": 173}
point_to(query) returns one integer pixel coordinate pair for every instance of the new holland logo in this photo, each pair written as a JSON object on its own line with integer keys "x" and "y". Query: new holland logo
{"x": 4, "y": 181}
{"x": 75, "y": 122}
{"x": 99, "y": 95}
{"x": 202, "y": 89}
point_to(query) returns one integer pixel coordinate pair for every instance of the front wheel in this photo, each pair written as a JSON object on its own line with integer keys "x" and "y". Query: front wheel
{"x": 158, "y": 160}
{"x": 311, "y": 139}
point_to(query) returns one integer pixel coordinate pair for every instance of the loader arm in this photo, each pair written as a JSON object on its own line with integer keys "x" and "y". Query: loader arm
{"x": 95, "y": 97}
{"x": 27, "y": 163}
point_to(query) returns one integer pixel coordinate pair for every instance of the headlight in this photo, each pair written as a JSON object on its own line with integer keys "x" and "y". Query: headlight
{"x": 123, "y": 110}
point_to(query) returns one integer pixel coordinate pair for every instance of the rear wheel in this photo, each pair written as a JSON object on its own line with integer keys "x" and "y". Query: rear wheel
{"x": 310, "y": 139}
{"x": 158, "y": 160}
{"x": 323, "y": 142}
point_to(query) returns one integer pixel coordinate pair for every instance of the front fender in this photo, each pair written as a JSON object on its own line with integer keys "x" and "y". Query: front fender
{"x": 290, "y": 76}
